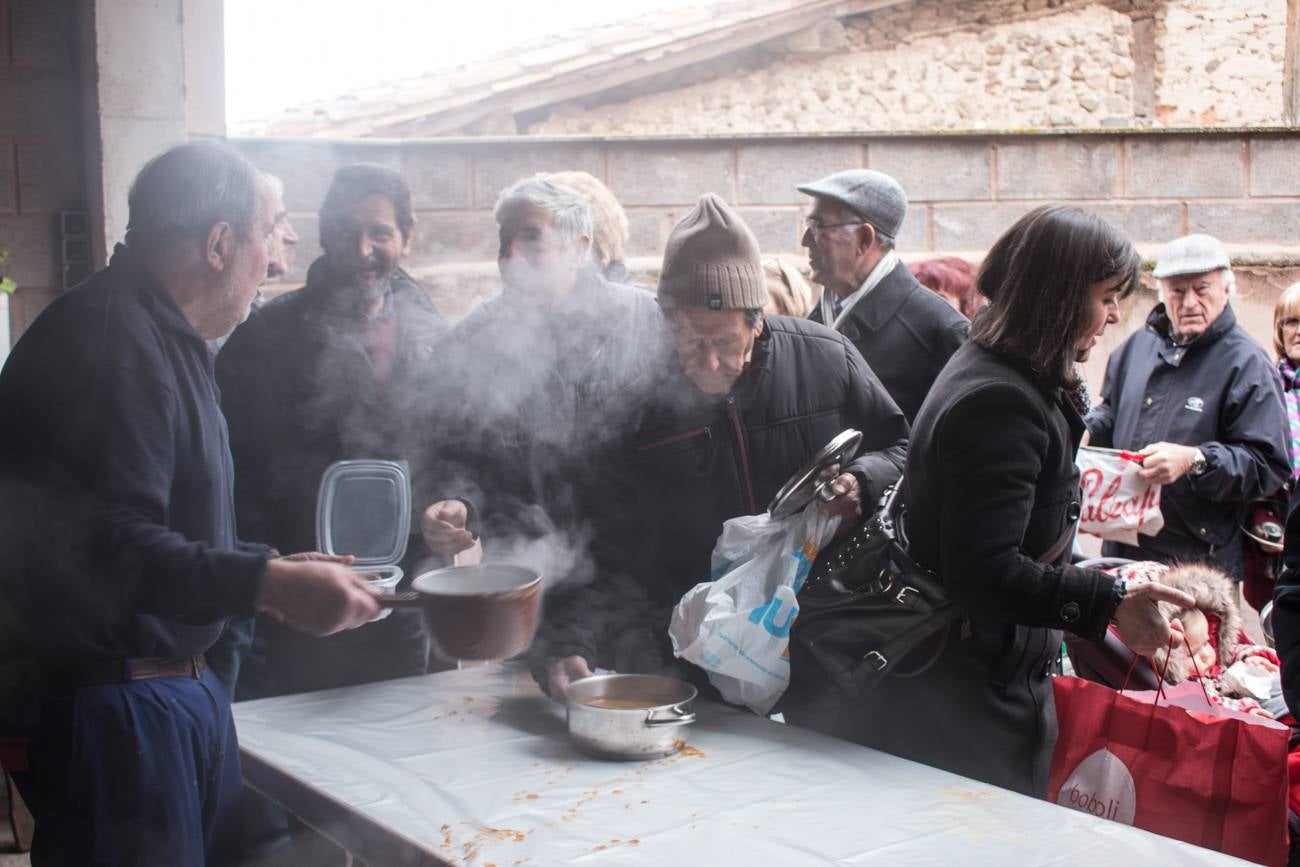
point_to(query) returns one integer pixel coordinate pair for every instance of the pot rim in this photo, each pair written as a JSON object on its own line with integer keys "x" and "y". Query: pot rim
{"x": 571, "y": 691}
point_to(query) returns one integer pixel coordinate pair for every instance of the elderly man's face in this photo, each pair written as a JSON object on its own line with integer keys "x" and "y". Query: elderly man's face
{"x": 713, "y": 346}
{"x": 364, "y": 245}
{"x": 535, "y": 258}
{"x": 283, "y": 239}
{"x": 243, "y": 272}
{"x": 836, "y": 252}
{"x": 1194, "y": 301}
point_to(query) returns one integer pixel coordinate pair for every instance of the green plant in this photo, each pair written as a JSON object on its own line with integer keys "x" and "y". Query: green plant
{"x": 7, "y": 284}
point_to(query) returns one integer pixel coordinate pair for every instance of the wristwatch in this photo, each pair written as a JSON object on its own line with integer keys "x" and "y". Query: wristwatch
{"x": 1199, "y": 465}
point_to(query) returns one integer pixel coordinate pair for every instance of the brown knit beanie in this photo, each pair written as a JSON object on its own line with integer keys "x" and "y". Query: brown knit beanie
{"x": 712, "y": 261}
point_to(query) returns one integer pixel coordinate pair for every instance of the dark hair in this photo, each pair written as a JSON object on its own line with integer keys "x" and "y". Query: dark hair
{"x": 354, "y": 182}
{"x": 952, "y": 277}
{"x": 181, "y": 193}
{"x": 1036, "y": 277}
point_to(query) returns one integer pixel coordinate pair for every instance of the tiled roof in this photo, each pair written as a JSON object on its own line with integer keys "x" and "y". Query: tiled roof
{"x": 554, "y": 69}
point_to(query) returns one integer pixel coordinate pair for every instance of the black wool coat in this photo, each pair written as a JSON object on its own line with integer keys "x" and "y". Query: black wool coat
{"x": 906, "y": 333}
{"x": 990, "y": 487}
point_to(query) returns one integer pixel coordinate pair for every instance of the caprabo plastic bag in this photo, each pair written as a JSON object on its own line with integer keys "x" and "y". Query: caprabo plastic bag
{"x": 736, "y": 626}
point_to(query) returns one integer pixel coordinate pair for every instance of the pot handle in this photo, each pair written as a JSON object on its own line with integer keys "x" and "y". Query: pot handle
{"x": 680, "y": 718}
{"x": 407, "y": 599}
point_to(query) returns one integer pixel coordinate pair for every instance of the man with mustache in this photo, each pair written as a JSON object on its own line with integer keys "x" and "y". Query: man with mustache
{"x": 1200, "y": 401}
{"x": 337, "y": 370}
{"x": 904, "y": 331}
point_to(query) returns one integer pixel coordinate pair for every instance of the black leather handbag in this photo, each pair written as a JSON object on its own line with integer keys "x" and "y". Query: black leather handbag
{"x": 867, "y": 606}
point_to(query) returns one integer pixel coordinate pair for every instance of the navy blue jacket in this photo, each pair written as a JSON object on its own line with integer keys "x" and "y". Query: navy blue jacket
{"x": 1219, "y": 393}
{"x": 906, "y": 333}
{"x": 112, "y": 435}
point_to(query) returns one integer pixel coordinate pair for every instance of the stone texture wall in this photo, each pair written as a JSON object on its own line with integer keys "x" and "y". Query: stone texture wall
{"x": 1220, "y": 62}
{"x": 965, "y": 191}
{"x": 41, "y": 169}
{"x": 965, "y": 65}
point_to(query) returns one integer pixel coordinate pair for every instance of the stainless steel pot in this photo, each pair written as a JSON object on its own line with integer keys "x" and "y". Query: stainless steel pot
{"x": 629, "y": 716}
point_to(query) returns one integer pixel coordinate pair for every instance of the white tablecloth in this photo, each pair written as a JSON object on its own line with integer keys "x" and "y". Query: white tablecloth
{"x": 475, "y": 767}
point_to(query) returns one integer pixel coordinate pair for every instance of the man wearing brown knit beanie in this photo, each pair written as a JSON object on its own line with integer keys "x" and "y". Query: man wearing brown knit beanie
{"x": 745, "y": 401}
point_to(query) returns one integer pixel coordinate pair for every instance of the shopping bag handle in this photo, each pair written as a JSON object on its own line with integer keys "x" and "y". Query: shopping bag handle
{"x": 1160, "y": 675}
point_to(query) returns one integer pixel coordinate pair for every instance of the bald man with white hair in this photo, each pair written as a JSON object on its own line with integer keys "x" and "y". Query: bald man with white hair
{"x": 1200, "y": 401}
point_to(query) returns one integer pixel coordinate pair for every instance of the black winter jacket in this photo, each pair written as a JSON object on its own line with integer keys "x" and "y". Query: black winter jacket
{"x": 119, "y": 522}
{"x": 300, "y": 393}
{"x": 990, "y": 487}
{"x": 697, "y": 460}
{"x": 1219, "y": 393}
{"x": 906, "y": 333}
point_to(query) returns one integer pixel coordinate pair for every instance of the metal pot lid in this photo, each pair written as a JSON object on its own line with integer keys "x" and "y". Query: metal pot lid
{"x": 803, "y": 486}
{"x": 364, "y": 509}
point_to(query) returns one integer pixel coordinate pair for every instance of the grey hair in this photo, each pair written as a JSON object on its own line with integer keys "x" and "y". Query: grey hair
{"x": 752, "y": 315}
{"x": 886, "y": 242}
{"x": 568, "y": 208}
{"x": 180, "y": 194}
{"x": 1229, "y": 283}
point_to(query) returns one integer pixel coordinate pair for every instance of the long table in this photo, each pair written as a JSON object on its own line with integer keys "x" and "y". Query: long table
{"x": 475, "y": 767}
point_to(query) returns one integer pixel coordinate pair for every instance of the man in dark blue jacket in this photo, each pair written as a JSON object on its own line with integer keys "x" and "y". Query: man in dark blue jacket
{"x": 1202, "y": 403}
{"x": 120, "y": 560}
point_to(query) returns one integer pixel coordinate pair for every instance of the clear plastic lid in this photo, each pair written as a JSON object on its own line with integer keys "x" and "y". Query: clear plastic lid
{"x": 364, "y": 509}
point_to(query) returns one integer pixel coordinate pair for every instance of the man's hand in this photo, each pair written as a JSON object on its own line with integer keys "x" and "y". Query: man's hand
{"x": 562, "y": 672}
{"x": 1166, "y": 463}
{"x": 443, "y": 527}
{"x": 315, "y": 597}
{"x": 847, "y": 503}
{"x": 1139, "y": 621}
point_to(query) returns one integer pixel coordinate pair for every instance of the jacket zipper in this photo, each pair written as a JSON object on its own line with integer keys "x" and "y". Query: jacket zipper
{"x": 742, "y": 453}
{"x": 676, "y": 438}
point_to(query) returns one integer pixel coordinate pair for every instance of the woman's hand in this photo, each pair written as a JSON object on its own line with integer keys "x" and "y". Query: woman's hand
{"x": 1139, "y": 621}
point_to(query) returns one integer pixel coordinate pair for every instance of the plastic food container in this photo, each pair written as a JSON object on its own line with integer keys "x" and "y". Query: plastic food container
{"x": 364, "y": 509}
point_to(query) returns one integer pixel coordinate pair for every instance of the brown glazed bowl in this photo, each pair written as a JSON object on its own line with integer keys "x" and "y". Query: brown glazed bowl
{"x": 485, "y": 611}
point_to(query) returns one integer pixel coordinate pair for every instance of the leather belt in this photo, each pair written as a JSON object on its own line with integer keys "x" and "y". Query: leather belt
{"x": 101, "y": 671}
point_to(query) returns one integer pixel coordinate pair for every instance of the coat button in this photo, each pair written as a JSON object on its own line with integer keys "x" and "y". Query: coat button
{"x": 1073, "y": 512}
{"x": 1204, "y": 531}
{"x": 1148, "y": 401}
{"x": 1070, "y": 612}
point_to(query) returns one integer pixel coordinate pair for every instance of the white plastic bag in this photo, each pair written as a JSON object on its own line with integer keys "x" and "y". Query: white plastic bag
{"x": 737, "y": 625}
{"x": 1117, "y": 504}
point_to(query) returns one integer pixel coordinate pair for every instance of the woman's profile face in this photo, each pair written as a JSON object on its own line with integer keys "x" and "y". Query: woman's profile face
{"x": 1102, "y": 309}
{"x": 1289, "y": 326}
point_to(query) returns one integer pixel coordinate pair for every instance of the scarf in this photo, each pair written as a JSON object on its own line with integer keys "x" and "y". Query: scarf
{"x": 1291, "y": 388}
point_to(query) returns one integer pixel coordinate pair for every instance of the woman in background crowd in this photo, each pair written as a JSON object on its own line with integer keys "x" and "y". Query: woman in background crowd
{"x": 1286, "y": 344}
{"x": 952, "y": 279}
{"x": 788, "y": 293}
{"x": 610, "y": 229}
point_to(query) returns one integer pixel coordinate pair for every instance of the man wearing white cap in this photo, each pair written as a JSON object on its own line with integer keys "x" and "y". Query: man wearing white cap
{"x": 905, "y": 332}
{"x": 1199, "y": 400}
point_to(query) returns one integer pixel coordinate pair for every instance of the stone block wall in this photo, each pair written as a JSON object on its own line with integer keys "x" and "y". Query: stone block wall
{"x": 41, "y": 169}
{"x": 962, "y": 65}
{"x": 965, "y": 190}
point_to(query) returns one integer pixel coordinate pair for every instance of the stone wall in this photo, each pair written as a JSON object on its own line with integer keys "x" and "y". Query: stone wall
{"x": 965, "y": 191}
{"x": 1221, "y": 62}
{"x": 964, "y": 65}
{"x": 41, "y": 126}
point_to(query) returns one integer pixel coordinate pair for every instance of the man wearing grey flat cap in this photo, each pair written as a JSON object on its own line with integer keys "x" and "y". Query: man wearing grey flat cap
{"x": 1200, "y": 401}
{"x": 904, "y": 331}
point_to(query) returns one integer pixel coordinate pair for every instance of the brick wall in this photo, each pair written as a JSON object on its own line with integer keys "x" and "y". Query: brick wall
{"x": 41, "y": 169}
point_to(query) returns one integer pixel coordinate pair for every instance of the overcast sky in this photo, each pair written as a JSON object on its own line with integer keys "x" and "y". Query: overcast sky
{"x": 281, "y": 53}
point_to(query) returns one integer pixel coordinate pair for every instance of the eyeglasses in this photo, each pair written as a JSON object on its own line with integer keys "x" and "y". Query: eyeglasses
{"x": 816, "y": 226}
{"x": 1290, "y": 322}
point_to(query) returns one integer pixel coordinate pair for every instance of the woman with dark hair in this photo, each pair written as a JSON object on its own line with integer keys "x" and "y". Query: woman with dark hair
{"x": 992, "y": 496}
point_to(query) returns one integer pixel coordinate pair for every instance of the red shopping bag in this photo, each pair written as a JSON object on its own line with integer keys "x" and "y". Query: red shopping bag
{"x": 1173, "y": 764}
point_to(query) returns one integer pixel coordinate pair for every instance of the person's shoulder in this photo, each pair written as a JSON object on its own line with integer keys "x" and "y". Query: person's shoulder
{"x": 928, "y": 306}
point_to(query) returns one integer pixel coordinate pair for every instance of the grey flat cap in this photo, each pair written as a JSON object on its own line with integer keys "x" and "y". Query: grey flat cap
{"x": 874, "y": 196}
{"x": 1191, "y": 254}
